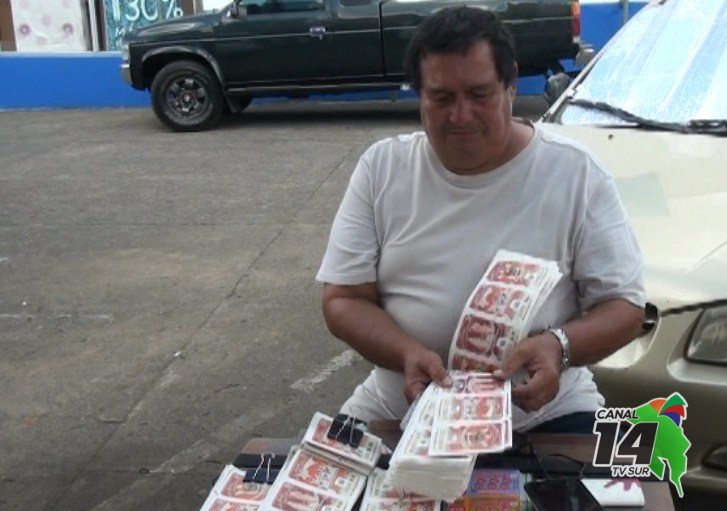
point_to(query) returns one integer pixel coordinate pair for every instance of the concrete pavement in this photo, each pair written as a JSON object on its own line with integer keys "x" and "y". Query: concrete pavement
{"x": 157, "y": 302}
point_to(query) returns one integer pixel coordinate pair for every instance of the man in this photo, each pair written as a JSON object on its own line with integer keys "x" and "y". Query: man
{"x": 425, "y": 213}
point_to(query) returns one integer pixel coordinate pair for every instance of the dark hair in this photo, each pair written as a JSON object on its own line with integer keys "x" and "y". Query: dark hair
{"x": 456, "y": 30}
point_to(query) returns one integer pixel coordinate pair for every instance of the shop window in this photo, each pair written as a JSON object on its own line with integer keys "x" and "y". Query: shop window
{"x": 79, "y": 25}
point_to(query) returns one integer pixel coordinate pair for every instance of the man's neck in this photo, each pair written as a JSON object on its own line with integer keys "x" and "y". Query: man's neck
{"x": 521, "y": 132}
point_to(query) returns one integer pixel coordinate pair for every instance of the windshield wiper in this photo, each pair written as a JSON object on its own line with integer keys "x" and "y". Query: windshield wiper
{"x": 707, "y": 126}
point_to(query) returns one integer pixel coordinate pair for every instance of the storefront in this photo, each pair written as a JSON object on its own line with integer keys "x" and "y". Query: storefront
{"x": 63, "y": 26}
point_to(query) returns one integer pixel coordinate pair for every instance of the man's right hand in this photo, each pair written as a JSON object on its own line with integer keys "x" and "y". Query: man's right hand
{"x": 420, "y": 368}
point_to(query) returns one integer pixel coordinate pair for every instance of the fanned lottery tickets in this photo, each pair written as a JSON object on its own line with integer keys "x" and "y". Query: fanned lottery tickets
{"x": 380, "y": 496}
{"x": 473, "y": 416}
{"x": 500, "y": 309}
{"x": 414, "y": 470}
{"x": 323, "y": 474}
{"x": 232, "y": 493}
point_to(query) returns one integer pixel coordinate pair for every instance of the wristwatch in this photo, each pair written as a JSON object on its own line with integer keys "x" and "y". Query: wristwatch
{"x": 565, "y": 360}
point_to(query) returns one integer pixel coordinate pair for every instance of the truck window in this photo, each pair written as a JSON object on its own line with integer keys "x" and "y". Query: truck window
{"x": 273, "y": 6}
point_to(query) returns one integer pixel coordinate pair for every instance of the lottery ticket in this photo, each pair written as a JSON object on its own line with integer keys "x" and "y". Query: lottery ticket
{"x": 314, "y": 470}
{"x": 469, "y": 438}
{"x": 472, "y": 416}
{"x": 232, "y": 485}
{"x": 366, "y": 454}
{"x": 214, "y": 503}
{"x": 232, "y": 493}
{"x": 473, "y": 383}
{"x": 473, "y": 407}
{"x": 285, "y": 495}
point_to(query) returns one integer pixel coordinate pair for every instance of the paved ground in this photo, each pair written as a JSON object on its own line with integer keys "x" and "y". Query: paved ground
{"x": 157, "y": 302}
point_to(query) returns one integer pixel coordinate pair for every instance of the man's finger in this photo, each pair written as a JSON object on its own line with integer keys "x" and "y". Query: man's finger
{"x": 517, "y": 358}
{"x": 436, "y": 371}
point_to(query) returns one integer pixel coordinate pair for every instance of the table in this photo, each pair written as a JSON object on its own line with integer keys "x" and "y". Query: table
{"x": 580, "y": 447}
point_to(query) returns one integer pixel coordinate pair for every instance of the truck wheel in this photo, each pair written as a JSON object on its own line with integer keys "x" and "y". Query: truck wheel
{"x": 186, "y": 96}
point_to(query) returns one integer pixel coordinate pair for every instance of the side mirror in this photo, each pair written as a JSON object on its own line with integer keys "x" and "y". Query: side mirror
{"x": 555, "y": 86}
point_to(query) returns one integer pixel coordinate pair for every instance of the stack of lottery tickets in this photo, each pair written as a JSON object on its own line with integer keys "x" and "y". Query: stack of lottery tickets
{"x": 447, "y": 429}
{"x": 413, "y": 469}
{"x": 500, "y": 310}
{"x": 380, "y": 496}
{"x": 323, "y": 474}
{"x": 232, "y": 493}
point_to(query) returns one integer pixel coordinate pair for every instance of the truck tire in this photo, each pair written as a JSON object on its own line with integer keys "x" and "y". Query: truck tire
{"x": 186, "y": 96}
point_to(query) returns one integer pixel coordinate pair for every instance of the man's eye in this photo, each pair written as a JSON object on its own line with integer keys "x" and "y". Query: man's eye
{"x": 481, "y": 94}
{"x": 441, "y": 98}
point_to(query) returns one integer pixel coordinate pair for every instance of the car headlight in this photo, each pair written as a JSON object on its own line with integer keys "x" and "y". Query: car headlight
{"x": 125, "y": 52}
{"x": 708, "y": 342}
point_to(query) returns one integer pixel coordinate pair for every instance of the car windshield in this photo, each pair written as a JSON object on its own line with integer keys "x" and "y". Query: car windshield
{"x": 667, "y": 65}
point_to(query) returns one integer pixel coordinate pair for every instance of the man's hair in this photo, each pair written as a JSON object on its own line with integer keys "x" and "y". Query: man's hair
{"x": 456, "y": 30}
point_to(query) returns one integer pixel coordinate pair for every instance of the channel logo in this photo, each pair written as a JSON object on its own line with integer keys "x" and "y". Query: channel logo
{"x": 653, "y": 440}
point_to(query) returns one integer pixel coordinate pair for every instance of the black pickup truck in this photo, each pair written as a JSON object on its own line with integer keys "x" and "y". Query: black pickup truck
{"x": 197, "y": 66}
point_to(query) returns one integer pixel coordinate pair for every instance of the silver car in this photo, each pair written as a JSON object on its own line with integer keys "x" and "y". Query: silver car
{"x": 652, "y": 106}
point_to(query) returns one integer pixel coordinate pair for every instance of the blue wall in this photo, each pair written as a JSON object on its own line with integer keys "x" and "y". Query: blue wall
{"x": 92, "y": 80}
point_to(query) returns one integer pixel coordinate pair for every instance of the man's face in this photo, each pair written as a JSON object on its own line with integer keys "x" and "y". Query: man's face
{"x": 466, "y": 109}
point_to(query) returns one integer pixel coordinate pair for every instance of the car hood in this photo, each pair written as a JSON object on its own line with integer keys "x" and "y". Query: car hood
{"x": 187, "y": 27}
{"x": 674, "y": 188}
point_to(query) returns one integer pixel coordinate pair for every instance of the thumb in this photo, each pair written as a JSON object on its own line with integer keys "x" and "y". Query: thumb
{"x": 514, "y": 361}
{"x": 436, "y": 371}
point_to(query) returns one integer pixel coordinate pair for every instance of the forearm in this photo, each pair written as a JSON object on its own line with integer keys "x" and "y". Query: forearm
{"x": 606, "y": 328}
{"x": 369, "y": 330}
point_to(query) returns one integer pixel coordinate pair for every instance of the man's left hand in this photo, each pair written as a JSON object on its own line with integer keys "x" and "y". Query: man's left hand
{"x": 540, "y": 356}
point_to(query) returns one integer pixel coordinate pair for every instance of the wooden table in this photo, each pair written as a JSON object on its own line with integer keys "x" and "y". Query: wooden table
{"x": 580, "y": 447}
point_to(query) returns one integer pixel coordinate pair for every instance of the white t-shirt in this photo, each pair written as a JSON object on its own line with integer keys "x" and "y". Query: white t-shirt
{"x": 426, "y": 235}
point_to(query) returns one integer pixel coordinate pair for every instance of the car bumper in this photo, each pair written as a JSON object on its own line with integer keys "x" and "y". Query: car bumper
{"x": 585, "y": 54}
{"x": 126, "y": 74}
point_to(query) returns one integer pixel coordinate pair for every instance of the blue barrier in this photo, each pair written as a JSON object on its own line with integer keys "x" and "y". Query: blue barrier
{"x": 92, "y": 80}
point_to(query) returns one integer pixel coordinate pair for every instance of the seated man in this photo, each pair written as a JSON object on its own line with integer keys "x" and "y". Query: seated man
{"x": 425, "y": 213}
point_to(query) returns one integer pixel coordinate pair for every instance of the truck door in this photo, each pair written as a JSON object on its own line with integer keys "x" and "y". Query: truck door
{"x": 358, "y": 39}
{"x": 277, "y": 41}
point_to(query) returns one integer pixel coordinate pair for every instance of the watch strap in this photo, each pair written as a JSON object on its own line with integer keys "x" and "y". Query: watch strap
{"x": 565, "y": 361}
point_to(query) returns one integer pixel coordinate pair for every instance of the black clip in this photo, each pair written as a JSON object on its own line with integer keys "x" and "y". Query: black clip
{"x": 259, "y": 476}
{"x": 346, "y": 429}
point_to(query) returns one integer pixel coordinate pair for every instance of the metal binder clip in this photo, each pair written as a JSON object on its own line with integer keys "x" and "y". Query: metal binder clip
{"x": 345, "y": 429}
{"x": 259, "y": 476}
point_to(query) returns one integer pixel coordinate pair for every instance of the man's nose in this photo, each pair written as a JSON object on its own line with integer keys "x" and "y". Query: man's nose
{"x": 461, "y": 112}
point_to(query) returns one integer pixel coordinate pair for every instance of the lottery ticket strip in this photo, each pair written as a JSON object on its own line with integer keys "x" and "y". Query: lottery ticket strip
{"x": 500, "y": 310}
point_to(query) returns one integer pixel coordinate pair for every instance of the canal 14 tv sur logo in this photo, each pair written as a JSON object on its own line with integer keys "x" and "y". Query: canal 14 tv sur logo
{"x": 652, "y": 439}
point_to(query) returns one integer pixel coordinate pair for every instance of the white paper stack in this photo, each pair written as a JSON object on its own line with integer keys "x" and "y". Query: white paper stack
{"x": 414, "y": 470}
{"x": 500, "y": 310}
{"x": 323, "y": 473}
{"x": 232, "y": 493}
{"x": 380, "y": 496}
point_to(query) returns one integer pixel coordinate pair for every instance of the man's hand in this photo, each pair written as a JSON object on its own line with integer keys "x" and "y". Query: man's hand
{"x": 540, "y": 356}
{"x": 420, "y": 368}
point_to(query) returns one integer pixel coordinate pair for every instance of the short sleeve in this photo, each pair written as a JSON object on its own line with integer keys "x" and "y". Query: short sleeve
{"x": 352, "y": 254}
{"x": 608, "y": 262}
